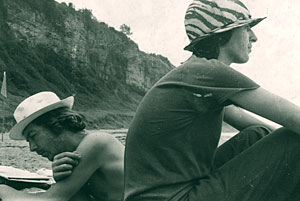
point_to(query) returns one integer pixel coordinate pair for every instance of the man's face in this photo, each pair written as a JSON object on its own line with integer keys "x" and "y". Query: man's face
{"x": 238, "y": 48}
{"x": 43, "y": 141}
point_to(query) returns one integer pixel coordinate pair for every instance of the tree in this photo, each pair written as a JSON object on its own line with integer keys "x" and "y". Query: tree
{"x": 125, "y": 29}
{"x": 71, "y": 5}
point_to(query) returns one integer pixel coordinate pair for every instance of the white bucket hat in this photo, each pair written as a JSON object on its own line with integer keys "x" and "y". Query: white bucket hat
{"x": 33, "y": 107}
{"x": 204, "y": 18}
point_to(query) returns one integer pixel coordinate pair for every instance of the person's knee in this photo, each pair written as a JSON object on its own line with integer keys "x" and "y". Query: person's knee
{"x": 256, "y": 131}
{"x": 283, "y": 137}
{"x": 285, "y": 134}
{"x": 288, "y": 141}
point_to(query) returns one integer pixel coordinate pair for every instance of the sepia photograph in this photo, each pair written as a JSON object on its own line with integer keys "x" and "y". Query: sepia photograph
{"x": 109, "y": 100}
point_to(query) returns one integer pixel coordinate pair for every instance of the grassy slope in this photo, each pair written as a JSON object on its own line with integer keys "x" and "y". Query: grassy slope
{"x": 31, "y": 69}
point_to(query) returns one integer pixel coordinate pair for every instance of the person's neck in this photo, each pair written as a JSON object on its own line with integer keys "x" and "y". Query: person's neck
{"x": 224, "y": 60}
{"x": 221, "y": 58}
{"x": 73, "y": 139}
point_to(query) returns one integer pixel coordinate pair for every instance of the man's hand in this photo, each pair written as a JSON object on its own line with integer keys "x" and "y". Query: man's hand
{"x": 63, "y": 164}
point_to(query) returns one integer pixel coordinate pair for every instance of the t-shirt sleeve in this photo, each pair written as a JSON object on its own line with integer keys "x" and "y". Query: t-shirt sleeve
{"x": 209, "y": 78}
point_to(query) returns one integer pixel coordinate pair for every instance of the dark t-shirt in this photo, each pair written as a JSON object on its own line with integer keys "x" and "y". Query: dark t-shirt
{"x": 174, "y": 135}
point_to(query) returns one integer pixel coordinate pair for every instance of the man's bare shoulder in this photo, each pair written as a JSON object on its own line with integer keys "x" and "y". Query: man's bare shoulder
{"x": 100, "y": 138}
{"x": 102, "y": 144}
{"x": 106, "y": 151}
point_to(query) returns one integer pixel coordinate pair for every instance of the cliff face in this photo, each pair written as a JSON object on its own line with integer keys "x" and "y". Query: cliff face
{"x": 45, "y": 45}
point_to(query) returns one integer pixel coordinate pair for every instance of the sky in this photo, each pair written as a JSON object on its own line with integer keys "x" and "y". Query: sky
{"x": 158, "y": 27}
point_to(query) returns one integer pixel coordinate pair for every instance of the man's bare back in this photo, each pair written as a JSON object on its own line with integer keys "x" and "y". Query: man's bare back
{"x": 105, "y": 183}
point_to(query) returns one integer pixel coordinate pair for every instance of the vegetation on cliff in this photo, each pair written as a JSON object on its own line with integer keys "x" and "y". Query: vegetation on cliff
{"x": 45, "y": 45}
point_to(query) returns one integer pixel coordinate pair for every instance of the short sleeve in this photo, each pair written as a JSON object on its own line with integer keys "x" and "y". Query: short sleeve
{"x": 209, "y": 78}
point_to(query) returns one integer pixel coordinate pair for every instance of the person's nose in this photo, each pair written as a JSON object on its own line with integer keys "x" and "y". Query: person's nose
{"x": 32, "y": 146}
{"x": 252, "y": 36}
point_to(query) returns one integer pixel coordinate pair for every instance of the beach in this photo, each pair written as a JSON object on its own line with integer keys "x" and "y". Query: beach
{"x": 17, "y": 154}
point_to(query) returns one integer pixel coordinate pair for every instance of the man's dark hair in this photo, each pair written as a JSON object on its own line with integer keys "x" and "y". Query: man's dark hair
{"x": 61, "y": 119}
{"x": 209, "y": 47}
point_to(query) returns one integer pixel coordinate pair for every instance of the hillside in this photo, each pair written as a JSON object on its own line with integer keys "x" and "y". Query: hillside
{"x": 45, "y": 45}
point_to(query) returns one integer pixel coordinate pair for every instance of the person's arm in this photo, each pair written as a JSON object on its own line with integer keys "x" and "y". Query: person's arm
{"x": 239, "y": 119}
{"x": 8, "y": 193}
{"x": 63, "y": 165}
{"x": 270, "y": 106}
{"x": 95, "y": 151}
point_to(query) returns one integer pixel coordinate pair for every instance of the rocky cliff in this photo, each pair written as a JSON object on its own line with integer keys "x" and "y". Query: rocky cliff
{"x": 45, "y": 45}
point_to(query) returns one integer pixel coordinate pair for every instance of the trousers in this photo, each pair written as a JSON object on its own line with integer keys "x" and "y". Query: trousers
{"x": 254, "y": 165}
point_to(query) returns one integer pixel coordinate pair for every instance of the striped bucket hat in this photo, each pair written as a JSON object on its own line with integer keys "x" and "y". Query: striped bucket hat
{"x": 204, "y": 18}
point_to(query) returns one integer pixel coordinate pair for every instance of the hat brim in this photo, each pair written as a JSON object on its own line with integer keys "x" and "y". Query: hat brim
{"x": 16, "y": 132}
{"x": 240, "y": 23}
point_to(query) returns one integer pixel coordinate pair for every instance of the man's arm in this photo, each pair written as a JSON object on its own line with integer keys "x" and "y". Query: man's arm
{"x": 95, "y": 151}
{"x": 239, "y": 119}
{"x": 269, "y": 106}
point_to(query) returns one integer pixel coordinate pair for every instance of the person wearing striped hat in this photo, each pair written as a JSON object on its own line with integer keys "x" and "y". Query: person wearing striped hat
{"x": 209, "y": 25}
{"x": 172, "y": 148}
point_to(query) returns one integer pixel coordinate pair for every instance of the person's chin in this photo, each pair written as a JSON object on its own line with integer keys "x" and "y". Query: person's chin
{"x": 50, "y": 157}
{"x": 242, "y": 60}
{"x": 47, "y": 155}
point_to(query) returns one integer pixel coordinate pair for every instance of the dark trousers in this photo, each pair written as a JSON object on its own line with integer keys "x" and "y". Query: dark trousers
{"x": 253, "y": 166}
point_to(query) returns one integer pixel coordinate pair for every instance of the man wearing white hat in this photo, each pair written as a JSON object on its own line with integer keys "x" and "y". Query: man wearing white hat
{"x": 172, "y": 151}
{"x": 55, "y": 131}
